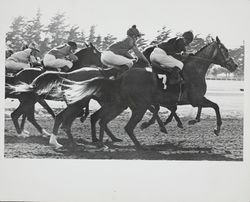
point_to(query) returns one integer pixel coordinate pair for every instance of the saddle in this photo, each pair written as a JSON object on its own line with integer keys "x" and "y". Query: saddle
{"x": 163, "y": 75}
{"x": 173, "y": 75}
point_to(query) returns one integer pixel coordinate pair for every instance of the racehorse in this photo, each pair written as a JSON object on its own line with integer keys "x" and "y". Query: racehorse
{"x": 86, "y": 56}
{"x": 138, "y": 89}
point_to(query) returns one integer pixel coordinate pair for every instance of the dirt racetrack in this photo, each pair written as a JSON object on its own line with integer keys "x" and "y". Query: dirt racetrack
{"x": 194, "y": 142}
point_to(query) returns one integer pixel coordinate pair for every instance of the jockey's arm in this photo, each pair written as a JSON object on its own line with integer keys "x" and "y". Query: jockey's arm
{"x": 127, "y": 55}
{"x": 139, "y": 54}
{"x": 72, "y": 57}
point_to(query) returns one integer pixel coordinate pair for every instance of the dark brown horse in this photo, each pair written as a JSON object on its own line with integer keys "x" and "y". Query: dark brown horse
{"x": 87, "y": 56}
{"x": 138, "y": 89}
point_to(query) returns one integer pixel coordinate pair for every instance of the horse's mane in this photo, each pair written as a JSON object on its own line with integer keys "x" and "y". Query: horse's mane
{"x": 79, "y": 51}
{"x": 201, "y": 49}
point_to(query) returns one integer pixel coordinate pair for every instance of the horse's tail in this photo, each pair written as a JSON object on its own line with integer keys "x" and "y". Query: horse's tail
{"x": 45, "y": 84}
{"x": 76, "y": 91}
{"x": 49, "y": 83}
{"x": 19, "y": 88}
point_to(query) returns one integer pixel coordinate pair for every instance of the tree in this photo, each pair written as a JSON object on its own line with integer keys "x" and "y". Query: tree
{"x": 14, "y": 38}
{"x": 44, "y": 46}
{"x": 98, "y": 42}
{"x": 92, "y": 37}
{"x": 107, "y": 41}
{"x": 81, "y": 40}
{"x": 56, "y": 30}
{"x": 163, "y": 35}
{"x": 73, "y": 34}
{"x": 196, "y": 44}
{"x": 33, "y": 29}
{"x": 238, "y": 54}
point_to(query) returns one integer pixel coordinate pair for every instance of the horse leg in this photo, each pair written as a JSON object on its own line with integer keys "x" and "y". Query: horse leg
{"x": 93, "y": 120}
{"x": 44, "y": 104}
{"x": 67, "y": 129}
{"x": 69, "y": 115}
{"x": 207, "y": 103}
{"x": 107, "y": 114}
{"x": 22, "y": 124}
{"x": 155, "y": 116}
{"x": 152, "y": 120}
{"x": 86, "y": 113}
{"x": 170, "y": 117}
{"x": 197, "y": 118}
{"x": 30, "y": 113}
{"x": 173, "y": 114}
{"x": 137, "y": 115}
{"x": 57, "y": 123}
{"x": 15, "y": 115}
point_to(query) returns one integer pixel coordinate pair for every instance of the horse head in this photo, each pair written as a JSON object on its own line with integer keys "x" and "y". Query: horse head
{"x": 222, "y": 57}
{"x": 87, "y": 56}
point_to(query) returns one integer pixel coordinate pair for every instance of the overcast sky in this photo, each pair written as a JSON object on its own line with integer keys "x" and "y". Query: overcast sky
{"x": 228, "y": 19}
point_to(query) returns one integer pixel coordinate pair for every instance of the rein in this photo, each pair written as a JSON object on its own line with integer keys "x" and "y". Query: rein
{"x": 200, "y": 58}
{"x": 210, "y": 60}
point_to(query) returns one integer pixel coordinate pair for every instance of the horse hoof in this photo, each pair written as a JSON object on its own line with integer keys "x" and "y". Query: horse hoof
{"x": 45, "y": 133}
{"x": 56, "y": 146}
{"x": 53, "y": 142}
{"x": 116, "y": 140}
{"x": 180, "y": 125}
{"x": 144, "y": 125}
{"x": 164, "y": 130}
{"x": 216, "y": 132}
{"x": 23, "y": 135}
{"x": 26, "y": 132}
{"x": 192, "y": 122}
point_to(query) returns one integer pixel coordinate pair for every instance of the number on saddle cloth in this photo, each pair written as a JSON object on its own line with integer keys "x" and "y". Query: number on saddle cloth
{"x": 161, "y": 74}
{"x": 163, "y": 80}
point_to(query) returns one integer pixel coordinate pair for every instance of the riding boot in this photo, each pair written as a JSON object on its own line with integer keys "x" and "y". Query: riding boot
{"x": 122, "y": 69}
{"x": 65, "y": 68}
{"x": 175, "y": 77}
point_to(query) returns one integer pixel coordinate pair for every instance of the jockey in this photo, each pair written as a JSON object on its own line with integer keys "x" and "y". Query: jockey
{"x": 21, "y": 59}
{"x": 34, "y": 60}
{"x": 117, "y": 54}
{"x": 61, "y": 57}
{"x": 8, "y": 53}
{"x": 166, "y": 54}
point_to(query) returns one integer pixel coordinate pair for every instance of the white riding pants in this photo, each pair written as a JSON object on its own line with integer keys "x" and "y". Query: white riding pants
{"x": 110, "y": 59}
{"x": 160, "y": 56}
{"x": 12, "y": 65}
{"x": 51, "y": 61}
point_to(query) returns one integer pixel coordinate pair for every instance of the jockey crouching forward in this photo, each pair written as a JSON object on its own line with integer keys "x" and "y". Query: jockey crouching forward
{"x": 60, "y": 58}
{"x": 117, "y": 54}
{"x": 21, "y": 59}
{"x": 166, "y": 54}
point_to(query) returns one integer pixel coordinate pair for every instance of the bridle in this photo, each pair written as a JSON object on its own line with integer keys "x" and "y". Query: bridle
{"x": 214, "y": 54}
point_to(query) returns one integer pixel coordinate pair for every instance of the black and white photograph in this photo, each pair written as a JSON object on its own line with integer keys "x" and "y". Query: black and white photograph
{"x": 131, "y": 86}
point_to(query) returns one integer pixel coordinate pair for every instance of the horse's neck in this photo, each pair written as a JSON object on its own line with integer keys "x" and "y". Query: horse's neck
{"x": 199, "y": 64}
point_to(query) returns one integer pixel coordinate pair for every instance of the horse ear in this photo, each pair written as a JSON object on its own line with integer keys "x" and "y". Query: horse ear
{"x": 86, "y": 44}
{"x": 91, "y": 45}
{"x": 217, "y": 39}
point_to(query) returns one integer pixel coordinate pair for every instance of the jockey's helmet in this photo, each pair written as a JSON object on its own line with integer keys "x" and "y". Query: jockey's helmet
{"x": 133, "y": 31}
{"x": 33, "y": 46}
{"x": 188, "y": 35}
{"x": 72, "y": 44}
